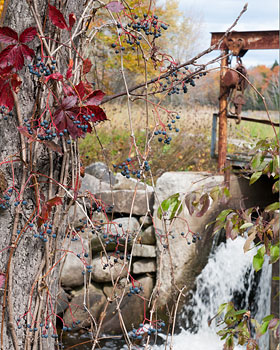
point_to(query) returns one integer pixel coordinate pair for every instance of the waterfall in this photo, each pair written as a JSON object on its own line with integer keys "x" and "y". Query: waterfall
{"x": 228, "y": 276}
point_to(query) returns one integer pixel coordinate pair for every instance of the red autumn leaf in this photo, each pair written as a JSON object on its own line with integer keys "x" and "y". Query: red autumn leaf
{"x": 99, "y": 114}
{"x": 27, "y": 52}
{"x": 86, "y": 66}
{"x": 115, "y": 6}
{"x": 15, "y": 82}
{"x": 8, "y": 36}
{"x": 78, "y": 109}
{"x": 53, "y": 146}
{"x": 57, "y": 17}
{"x": 2, "y": 280}
{"x": 27, "y": 35}
{"x": 80, "y": 89}
{"x": 68, "y": 102}
{"x": 23, "y": 130}
{"x": 88, "y": 87}
{"x": 64, "y": 116}
{"x": 72, "y": 20}
{"x": 68, "y": 90}
{"x": 46, "y": 209}
{"x": 44, "y": 215}
{"x": 8, "y": 80}
{"x": 205, "y": 202}
{"x": 6, "y": 97}
{"x": 69, "y": 70}
{"x": 55, "y": 76}
{"x": 95, "y": 98}
{"x": 14, "y": 54}
{"x": 82, "y": 171}
{"x": 54, "y": 201}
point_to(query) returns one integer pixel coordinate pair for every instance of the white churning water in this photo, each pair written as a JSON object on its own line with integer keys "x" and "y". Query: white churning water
{"x": 228, "y": 273}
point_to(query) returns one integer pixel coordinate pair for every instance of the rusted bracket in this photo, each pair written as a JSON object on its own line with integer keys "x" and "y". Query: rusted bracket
{"x": 235, "y": 46}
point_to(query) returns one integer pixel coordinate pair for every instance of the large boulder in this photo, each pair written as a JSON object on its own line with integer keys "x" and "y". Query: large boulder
{"x": 62, "y": 301}
{"x": 93, "y": 185}
{"x": 103, "y": 273}
{"x": 132, "y": 309}
{"x": 74, "y": 263}
{"x": 179, "y": 262}
{"x": 145, "y": 221}
{"x": 144, "y": 265}
{"x": 100, "y": 171}
{"x": 76, "y": 316}
{"x": 123, "y": 183}
{"x": 115, "y": 232}
{"x": 77, "y": 215}
{"x": 145, "y": 251}
{"x": 126, "y": 201}
{"x": 110, "y": 291}
{"x": 148, "y": 236}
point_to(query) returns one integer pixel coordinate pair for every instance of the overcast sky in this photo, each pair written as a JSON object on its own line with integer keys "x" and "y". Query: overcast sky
{"x": 218, "y": 15}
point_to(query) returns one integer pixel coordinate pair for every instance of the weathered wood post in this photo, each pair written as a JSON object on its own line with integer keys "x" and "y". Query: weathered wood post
{"x": 222, "y": 143}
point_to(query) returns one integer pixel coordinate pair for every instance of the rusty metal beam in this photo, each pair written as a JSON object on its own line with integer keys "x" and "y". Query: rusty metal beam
{"x": 222, "y": 142}
{"x": 260, "y": 121}
{"x": 254, "y": 40}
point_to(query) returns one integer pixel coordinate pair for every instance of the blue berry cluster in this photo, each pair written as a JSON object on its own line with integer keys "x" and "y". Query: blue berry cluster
{"x": 43, "y": 327}
{"x": 146, "y": 329}
{"x": 194, "y": 239}
{"x": 150, "y": 26}
{"x": 44, "y": 233}
{"x": 39, "y": 68}
{"x": 134, "y": 290}
{"x": 6, "y": 199}
{"x": 68, "y": 329}
{"x": 177, "y": 81}
{"x": 128, "y": 168}
{"x": 5, "y": 113}
{"x": 163, "y": 136}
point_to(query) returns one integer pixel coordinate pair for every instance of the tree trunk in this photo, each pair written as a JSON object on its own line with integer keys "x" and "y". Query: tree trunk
{"x": 27, "y": 298}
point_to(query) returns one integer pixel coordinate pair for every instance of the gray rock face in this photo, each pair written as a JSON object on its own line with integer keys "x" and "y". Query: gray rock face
{"x": 76, "y": 216}
{"x": 185, "y": 260}
{"x": 108, "y": 288}
{"x": 144, "y": 265}
{"x": 101, "y": 273}
{"x": 121, "y": 227}
{"x": 148, "y": 236}
{"x": 93, "y": 185}
{"x": 101, "y": 172}
{"x": 132, "y": 309}
{"x": 145, "y": 251}
{"x": 123, "y": 199}
{"x": 145, "y": 221}
{"x": 123, "y": 183}
{"x": 96, "y": 303}
{"x": 72, "y": 266}
{"x": 62, "y": 299}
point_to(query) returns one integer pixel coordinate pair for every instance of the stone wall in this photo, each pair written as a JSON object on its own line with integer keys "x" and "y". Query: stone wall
{"x": 123, "y": 255}
{"x": 120, "y": 238}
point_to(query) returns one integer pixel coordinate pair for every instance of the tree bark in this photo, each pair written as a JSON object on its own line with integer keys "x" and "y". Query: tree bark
{"x": 28, "y": 295}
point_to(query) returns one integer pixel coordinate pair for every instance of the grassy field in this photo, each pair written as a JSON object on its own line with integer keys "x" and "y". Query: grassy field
{"x": 189, "y": 149}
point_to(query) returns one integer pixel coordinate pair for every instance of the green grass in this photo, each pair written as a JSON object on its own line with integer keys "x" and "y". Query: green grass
{"x": 188, "y": 151}
{"x": 256, "y": 130}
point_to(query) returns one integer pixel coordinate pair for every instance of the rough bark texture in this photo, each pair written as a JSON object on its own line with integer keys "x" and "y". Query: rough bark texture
{"x": 30, "y": 253}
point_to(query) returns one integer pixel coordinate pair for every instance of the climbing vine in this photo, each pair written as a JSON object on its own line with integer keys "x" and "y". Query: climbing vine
{"x": 48, "y": 102}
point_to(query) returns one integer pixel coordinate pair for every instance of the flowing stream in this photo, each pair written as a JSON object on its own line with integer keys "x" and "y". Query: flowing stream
{"x": 228, "y": 276}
